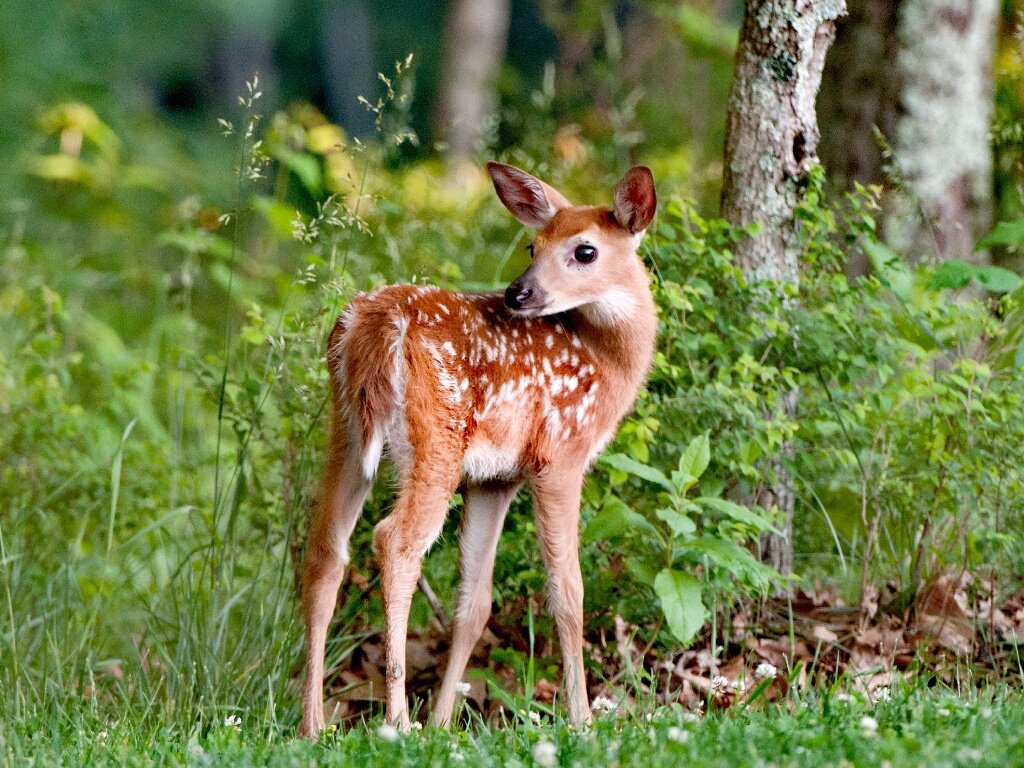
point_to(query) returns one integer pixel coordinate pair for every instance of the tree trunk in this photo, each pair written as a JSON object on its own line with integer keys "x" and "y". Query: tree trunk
{"x": 475, "y": 39}
{"x": 941, "y": 148}
{"x": 771, "y": 144}
{"x": 859, "y": 97}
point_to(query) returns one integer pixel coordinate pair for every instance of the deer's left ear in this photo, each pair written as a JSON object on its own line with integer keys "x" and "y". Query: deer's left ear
{"x": 635, "y": 199}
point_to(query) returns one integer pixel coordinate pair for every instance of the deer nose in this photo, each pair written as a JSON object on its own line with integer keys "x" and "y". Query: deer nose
{"x": 516, "y": 295}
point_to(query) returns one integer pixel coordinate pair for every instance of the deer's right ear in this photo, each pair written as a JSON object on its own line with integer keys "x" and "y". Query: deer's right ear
{"x": 530, "y": 200}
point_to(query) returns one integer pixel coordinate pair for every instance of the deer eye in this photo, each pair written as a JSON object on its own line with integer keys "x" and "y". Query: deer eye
{"x": 585, "y": 253}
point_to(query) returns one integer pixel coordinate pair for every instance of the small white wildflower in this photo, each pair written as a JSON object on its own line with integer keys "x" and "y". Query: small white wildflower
{"x": 462, "y": 688}
{"x": 844, "y": 697}
{"x": 986, "y": 713}
{"x": 233, "y": 721}
{"x": 869, "y": 725}
{"x": 691, "y": 717}
{"x": 719, "y": 685}
{"x": 545, "y": 754}
{"x": 535, "y": 717}
{"x": 415, "y": 726}
{"x": 102, "y": 735}
{"x": 649, "y": 716}
{"x": 766, "y": 671}
{"x": 882, "y": 694}
{"x": 678, "y": 735}
{"x": 739, "y": 686}
{"x": 388, "y": 732}
{"x": 602, "y": 705}
{"x": 455, "y": 754}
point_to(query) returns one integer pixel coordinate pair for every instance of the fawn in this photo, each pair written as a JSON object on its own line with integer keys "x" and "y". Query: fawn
{"x": 492, "y": 391}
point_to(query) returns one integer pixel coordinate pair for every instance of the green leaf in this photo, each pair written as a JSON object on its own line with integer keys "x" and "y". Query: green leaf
{"x": 997, "y": 279}
{"x": 1005, "y": 233}
{"x": 615, "y": 520}
{"x": 680, "y": 600}
{"x": 889, "y": 268}
{"x": 952, "y": 274}
{"x": 623, "y": 463}
{"x": 680, "y": 524}
{"x": 740, "y": 514}
{"x": 696, "y": 457}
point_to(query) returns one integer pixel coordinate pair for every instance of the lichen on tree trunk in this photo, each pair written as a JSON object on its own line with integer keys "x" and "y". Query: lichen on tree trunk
{"x": 771, "y": 145}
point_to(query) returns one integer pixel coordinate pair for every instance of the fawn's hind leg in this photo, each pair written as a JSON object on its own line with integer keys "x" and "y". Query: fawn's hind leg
{"x": 343, "y": 491}
{"x": 482, "y": 518}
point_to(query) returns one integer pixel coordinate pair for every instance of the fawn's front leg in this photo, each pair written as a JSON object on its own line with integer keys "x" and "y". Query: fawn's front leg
{"x": 557, "y": 511}
{"x": 482, "y": 517}
{"x": 400, "y": 540}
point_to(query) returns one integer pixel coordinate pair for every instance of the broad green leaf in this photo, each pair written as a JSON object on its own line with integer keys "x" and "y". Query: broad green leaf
{"x": 696, "y": 457}
{"x": 680, "y": 600}
{"x": 680, "y": 524}
{"x": 616, "y": 519}
{"x": 1005, "y": 233}
{"x": 997, "y": 279}
{"x": 739, "y": 513}
{"x": 889, "y": 268}
{"x": 623, "y": 463}
{"x": 952, "y": 274}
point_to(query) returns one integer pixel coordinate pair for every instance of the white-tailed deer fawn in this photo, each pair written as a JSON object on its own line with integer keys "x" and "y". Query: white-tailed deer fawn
{"x": 494, "y": 392}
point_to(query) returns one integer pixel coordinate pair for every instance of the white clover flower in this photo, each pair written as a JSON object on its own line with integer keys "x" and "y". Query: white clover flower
{"x": 869, "y": 725}
{"x": 233, "y": 721}
{"x": 102, "y": 735}
{"x": 882, "y": 694}
{"x": 535, "y": 717}
{"x": 416, "y": 726}
{"x": 545, "y": 754}
{"x": 678, "y": 735}
{"x": 691, "y": 717}
{"x": 719, "y": 685}
{"x": 602, "y": 705}
{"x": 388, "y": 732}
{"x": 766, "y": 671}
{"x": 462, "y": 688}
{"x": 844, "y": 697}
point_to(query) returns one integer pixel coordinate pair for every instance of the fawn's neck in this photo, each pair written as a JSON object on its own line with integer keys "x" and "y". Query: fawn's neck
{"x": 622, "y": 336}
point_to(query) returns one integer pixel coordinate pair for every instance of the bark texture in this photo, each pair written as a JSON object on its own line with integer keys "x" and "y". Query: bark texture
{"x": 859, "y": 93}
{"x": 771, "y": 144}
{"x": 475, "y": 40}
{"x": 941, "y": 146}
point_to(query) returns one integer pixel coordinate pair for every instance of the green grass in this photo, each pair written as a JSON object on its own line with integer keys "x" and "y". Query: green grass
{"x": 915, "y": 728}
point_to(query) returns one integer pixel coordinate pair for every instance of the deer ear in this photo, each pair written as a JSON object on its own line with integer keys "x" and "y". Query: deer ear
{"x": 635, "y": 199}
{"x": 528, "y": 199}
